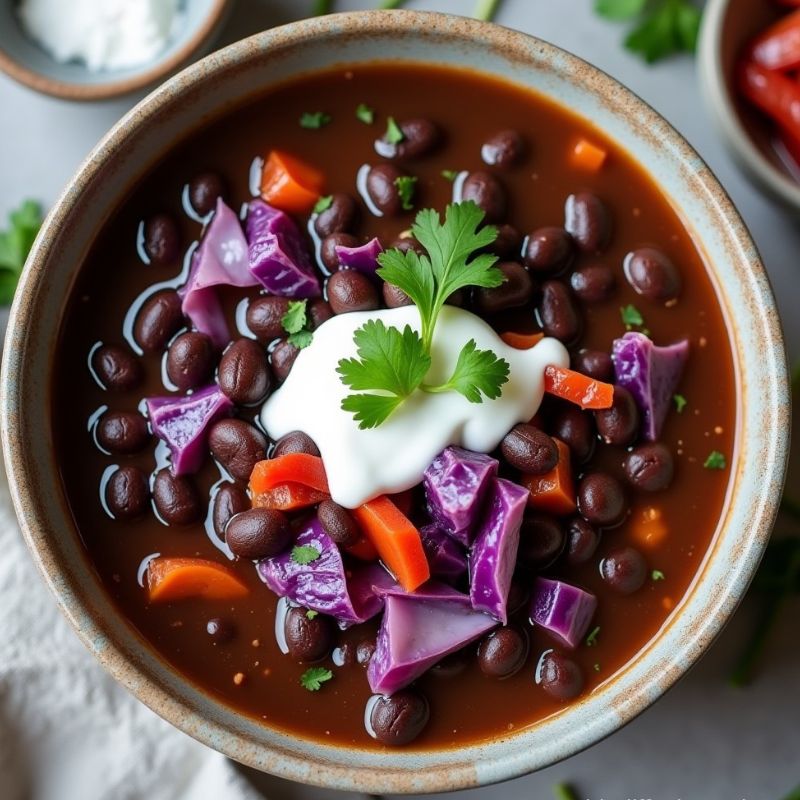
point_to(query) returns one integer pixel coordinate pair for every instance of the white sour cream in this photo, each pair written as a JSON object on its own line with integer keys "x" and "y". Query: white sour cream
{"x": 362, "y": 464}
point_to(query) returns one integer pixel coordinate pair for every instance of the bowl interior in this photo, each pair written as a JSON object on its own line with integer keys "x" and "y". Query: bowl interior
{"x": 224, "y": 80}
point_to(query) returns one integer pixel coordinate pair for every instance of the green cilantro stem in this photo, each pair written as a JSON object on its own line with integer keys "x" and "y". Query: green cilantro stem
{"x": 486, "y": 10}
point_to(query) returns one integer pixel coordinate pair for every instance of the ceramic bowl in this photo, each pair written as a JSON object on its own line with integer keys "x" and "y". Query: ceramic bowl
{"x": 26, "y": 62}
{"x": 727, "y": 27}
{"x": 221, "y": 81}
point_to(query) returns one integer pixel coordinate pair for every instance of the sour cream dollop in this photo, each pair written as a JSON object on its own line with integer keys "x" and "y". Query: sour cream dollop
{"x": 362, "y": 464}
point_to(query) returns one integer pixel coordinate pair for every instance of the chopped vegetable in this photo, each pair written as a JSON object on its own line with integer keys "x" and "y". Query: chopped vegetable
{"x": 562, "y": 609}
{"x": 15, "y": 244}
{"x": 313, "y": 678}
{"x": 715, "y": 460}
{"x": 305, "y": 554}
{"x": 418, "y": 630}
{"x": 446, "y": 558}
{"x": 363, "y": 258}
{"x": 396, "y": 539}
{"x": 651, "y": 374}
{"x": 289, "y": 184}
{"x": 323, "y": 204}
{"x": 588, "y": 156}
{"x": 299, "y": 468}
{"x": 277, "y": 256}
{"x": 297, "y": 324}
{"x": 311, "y": 614}
{"x": 554, "y": 491}
{"x": 631, "y": 316}
{"x": 657, "y": 575}
{"x": 406, "y": 185}
{"x": 288, "y": 496}
{"x": 591, "y": 639}
{"x": 365, "y": 114}
{"x": 314, "y": 120}
{"x": 578, "y": 388}
{"x": 778, "y": 47}
{"x": 680, "y": 402}
{"x": 172, "y": 579}
{"x": 456, "y": 484}
{"x": 182, "y": 422}
{"x": 393, "y": 133}
{"x": 494, "y": 553}
{"x": 562, "y": 791}
{"x": 522, "y": 341}
{"x": 449, "y": 174}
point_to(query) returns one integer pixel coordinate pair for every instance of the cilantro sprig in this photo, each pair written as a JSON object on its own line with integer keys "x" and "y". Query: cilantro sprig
{"x": 391, "y": 363}
{"x": 297, "y": 324}
{"x": 313, "y": 678}
{"x": 15, "y": 244}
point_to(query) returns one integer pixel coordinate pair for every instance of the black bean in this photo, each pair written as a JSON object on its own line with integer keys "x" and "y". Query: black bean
{"x": 649, "y": 467}
{"x": 652, "y": 274}
{"x": 243, "y": 373}
{"x": 529, "y": 449}
{"x": 588, "y": 221}
{"x": 295, "y": 442}
{"x": 264, "y": 315}
{"x": 504, "y": 149}
{"x": 420, "y": 137}
{"x": 624, "y": 570}
{"x": 338, "y": 217}
{"x": 503, "y": 652}
{"x": 176, "y": 498}
{"x": 541, "y": 541}
{"x": 158, "y": 321}
{"x": 318, "y": 311}
{"x": 401, "y": 718}
{"x": 327, "y": 249}
{"x": 594, "y": 283}
{"x": 238, "y": 446}
{"x": 204, "y": 191}
{"x": 220, "y": 630}
{"x": 558, "y": 313}
{"x": 601, "y": 500}
{"x": 349, "y": 290}
{"x": 338, "y": 523}
{"x": 549, "y": 250}
{"x": 515, "y": 291}
{"x": 508, "y": 244}
{"x": 582, "y": 541}
{"x": 406, "y": 243}
{"x": 452, "y": 664}
{"x": 594, "y": 363}
{"x": 307, "y": 639}
{"x": 117, "y": 368}
{"x": 190, "y": 360}
{"x": 382, "y": 189}
{"x": 576, "y": 429}
{"x": 229, "y": 500}
{"x": 122, "y": 432}
{"x": 282, "y": 359}
{"x": 559, "y": 676}
{"x": 127, "y": 493}
{"x": 258, "y": 533}
{"x": 487, "y": 193}
{"x": 395, "y": 297}
{"x": 619, "y": 424}
{"x": 364, "y": 651}
{"x": 162, "y": 239}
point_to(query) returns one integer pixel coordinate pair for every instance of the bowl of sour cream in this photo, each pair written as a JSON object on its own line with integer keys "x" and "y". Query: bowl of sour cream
{"x": 98, "y": 49}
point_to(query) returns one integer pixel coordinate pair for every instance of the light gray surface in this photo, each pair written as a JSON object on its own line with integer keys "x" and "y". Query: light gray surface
{"x": 704, "y": 740}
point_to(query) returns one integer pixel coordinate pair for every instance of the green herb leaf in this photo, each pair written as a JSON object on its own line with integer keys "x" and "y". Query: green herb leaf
{"x": 657, "y": 575}
{"x": 323, "y": 204}
{"x": 314, "y": 120}
{"x": 793, "y": 795}
{"x": 295, "y": 318}
{"x": 476, "y": 372}
{"x": 405, "y": 188}
{"x": 387, "y": 4}
{"x": 670, "y": 27}
{"x": 619, "y": 9}
{"x": 313, "y": 678}
{"x": 301, "y": 339}
{"x": 680, "y": 402}
{"x": 365, "y": 114}
{"x": 631, "y": 316}
{"x": 15, "y": 244}
{"x": 715, "y": 460}
{"x": 449, "y": 174}
{"x": 561, "y": 791}
{"x": 371, "y": 410}
{"x": 305, "y": 554}
{"x": 310, "y": 614}
{"x": 486, "y": 10}
{"x": 393, "y": 133}
{"x": 591, "y": 639}
{"x": 597, "y": 668}
{"x": 321, "y": 7}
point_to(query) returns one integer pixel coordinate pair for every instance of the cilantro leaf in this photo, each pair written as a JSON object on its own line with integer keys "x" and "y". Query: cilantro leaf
{"x": 411, "y": 273}
{"x": 323, "y": 204}
{"x": 405, "y": 189}
{"x": 365, "y": 114}
{"x": 671, "y": 27}
{"x": 305, "y": 554}
{"x": 591, "y": 639}
{"x": 476, "y": 372}
{"x": 449, "y": 174}
{"x": 393, "y": 133}
{"x": 313, "y": 678}
{"x": 313, "y": 120}
{"x": 680, "y": 402}
{"x": 295, "y": 318}
{"x": 301, "y": 339}
{"x": 715, "y": 460}
{"x": 657, "y": 575}
{"x": 371, "y": 410}
{"x": 619, "y": 9}
{"x": 631, "y": 316}
{"x": 15, "y": 244}
{"x": 310, "y": 614}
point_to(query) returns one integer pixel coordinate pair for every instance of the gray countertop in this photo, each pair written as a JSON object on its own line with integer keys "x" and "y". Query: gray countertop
{"x": 704, "y": 740}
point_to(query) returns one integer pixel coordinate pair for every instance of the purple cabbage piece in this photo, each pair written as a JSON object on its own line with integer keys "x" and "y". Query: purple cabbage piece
{"x": 323, "y": 584}
{"x": 363, "y": 258}
{"x": 418, "y": 630}
{"x": 494, "y": 554}
{"x": 562, "y": 609}
{"x": 278, "y": 257}
{"x": 455, "y": 485}
{"x": 446, "y": 557}
{"x": 221, "y": 259}
{"x": 183, "y": 423}
{"x": 651, "y": 374}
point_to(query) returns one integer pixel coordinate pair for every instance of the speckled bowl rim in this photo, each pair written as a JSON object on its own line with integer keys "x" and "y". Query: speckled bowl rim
{"x": 149, "y": 75}
{"x": 755, "y": 488}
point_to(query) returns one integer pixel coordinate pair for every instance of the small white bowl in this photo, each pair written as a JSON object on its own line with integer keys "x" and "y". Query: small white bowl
{"x": 26, "y": 62}
{"x": 727, "y": 26}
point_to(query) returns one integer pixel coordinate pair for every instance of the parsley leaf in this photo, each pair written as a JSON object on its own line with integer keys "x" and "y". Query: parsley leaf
{"x": 305, "y": 554}
{"x": 619, "y": 9}
{"x": 15, "y": 244}
{"x": 449, "y": 174}
{"x": 313, "y": 120}
{"x": 294, "y": 320}
{"x": 631, "y": 316}
{"x": 323, "y": 204}
{"x": 657, "y": 575}
{"x": 393, "y": 133}
{"x": 591, "y": 639}
{"x": 405, "y": 188}
{"x": 715, "y": 460}
{"x": 313, "y": 678}
{"x": 680, "y": 402}
{"x": 476, "y": 371}
{"x": 310, "y": 614}
{"x": 365, "y": 114}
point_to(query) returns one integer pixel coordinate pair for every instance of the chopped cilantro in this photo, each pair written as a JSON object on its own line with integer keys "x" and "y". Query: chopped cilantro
{"x": 313, "y": 678}
{"x": 631, "y": 316}
{"x": 15, "y": 244}
{"x": 680, "y": 402}
{"x": 365, "y": 114}
{"x": 296, "y": 323}
{"x": 591, "y": 639}
{"x": 393, "y": 133}
{"x": 657, "y": 575}
{"x": 405, "y": 188}
{"x": 305, "y": 554}
{"x": 597, "y": 668}
{"x": 715, "y": 460}
{"x": 301, "y": 339}
{"x": 323, "y": 204}
{"x": 449, "y": 174}
{"x": 314, "y": 120}
{"x": 310, "y": 614}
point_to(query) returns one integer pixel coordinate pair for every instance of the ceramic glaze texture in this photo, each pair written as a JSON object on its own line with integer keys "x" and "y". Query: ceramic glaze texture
{"x": 222, "y": 81}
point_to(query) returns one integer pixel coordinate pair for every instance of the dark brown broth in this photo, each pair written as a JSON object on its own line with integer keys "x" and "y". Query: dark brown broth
{"x": 470, "y": 108}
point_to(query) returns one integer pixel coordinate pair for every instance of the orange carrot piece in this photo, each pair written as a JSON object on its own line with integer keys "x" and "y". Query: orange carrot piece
{"x": 170, "y": 579}
{"x": 397, "y": 541}
{"x": 522, "y": 341}
{"x": 648, "y": 527}
{"x": 588, "y": 156}
{"x": 554, "y": 491}
{"x": 289, "y": 183}
{"x": 288, "y": 496}
{"x": 577, "y": 388}
{"x": 363, "y": 550}
{"x": 291, "y": 468}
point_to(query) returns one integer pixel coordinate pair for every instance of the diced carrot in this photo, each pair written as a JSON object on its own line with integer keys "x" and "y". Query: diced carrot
{"x": 397, "y": 541}
{"x": 522, "y": 341}
{"x": 363, "y": 549}
{"x": 288, "y": 496}
{"x": 588, "y": 156}
{"x": 290, "y": 468}
{"x": 170, "y": 579}
{"x": 649, "y": 528}
{"x": 578, "y": 388}
{"x": 290, "y": 184}
{"x": 554, "y": 491}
